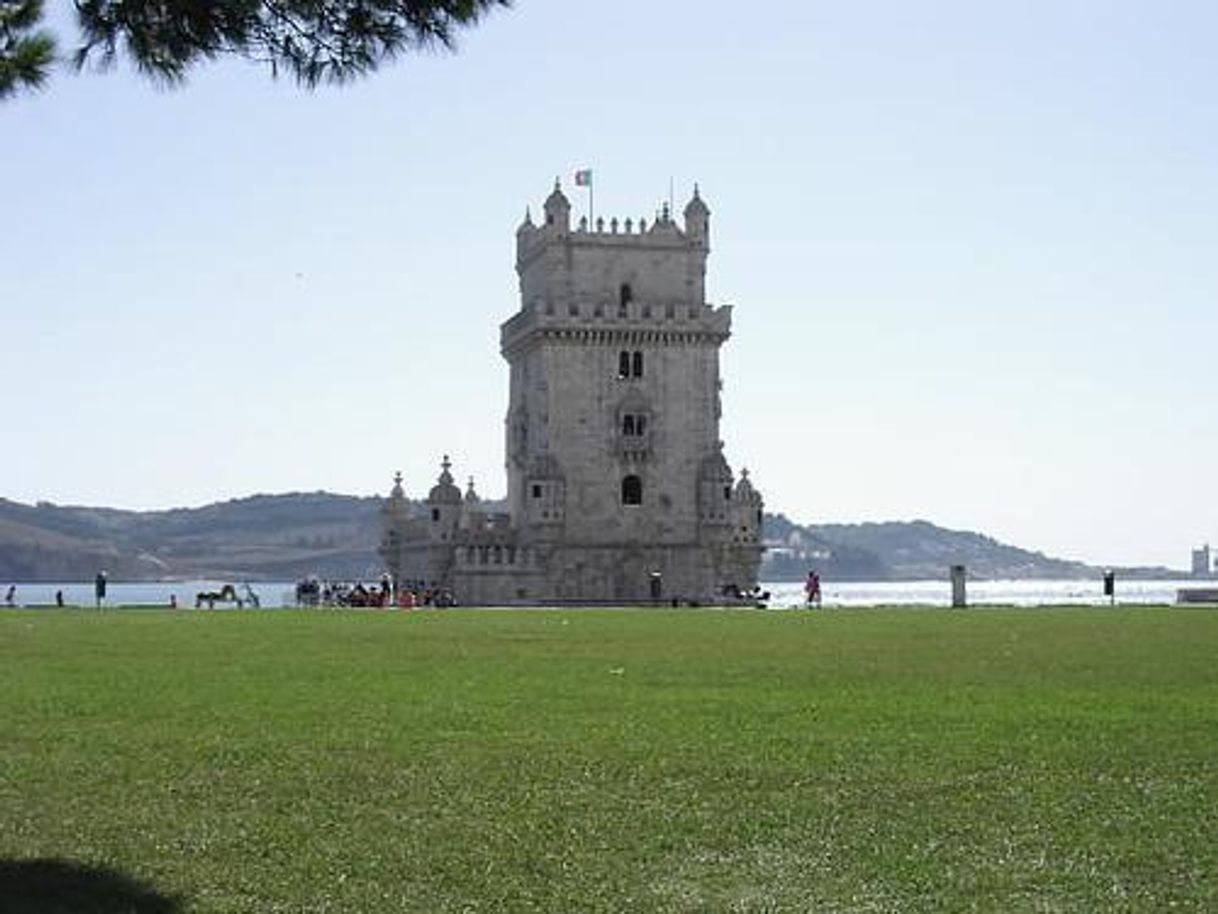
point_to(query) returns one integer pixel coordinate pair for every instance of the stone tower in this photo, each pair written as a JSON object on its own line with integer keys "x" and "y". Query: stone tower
{"x": 616, "y": 474}
{"x": 618, "y": 489}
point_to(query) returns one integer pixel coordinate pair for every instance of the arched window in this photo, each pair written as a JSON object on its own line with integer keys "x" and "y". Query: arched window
{"x": 638, "y": 365}
{"x": 634, "y": 425}
{"x": 623, "y": 365}
{"x": 632, "y": 491}
{"x": 625, "y": 295}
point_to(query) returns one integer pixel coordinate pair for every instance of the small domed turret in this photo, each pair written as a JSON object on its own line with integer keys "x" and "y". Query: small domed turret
{"x": 745, "y": 491}
{"x": 395, "y": 509}
{"x": 558, "y": 209}
{"x": 472, "y": 515}
{"x": 444, "y": 492}
{"x": 697, "y": 217}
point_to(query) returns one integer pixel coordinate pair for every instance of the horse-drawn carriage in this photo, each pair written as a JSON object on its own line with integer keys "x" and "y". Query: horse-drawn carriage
{"x": 227, "y": 594}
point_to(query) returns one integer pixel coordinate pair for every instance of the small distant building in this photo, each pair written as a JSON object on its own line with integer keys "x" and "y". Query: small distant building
{"x": 617, "y": 485}
{"x": 1203, "y": 565}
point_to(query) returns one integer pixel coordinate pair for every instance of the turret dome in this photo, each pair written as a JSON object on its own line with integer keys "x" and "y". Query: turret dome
{"x": 697, "y": 217}
{"x": 558, "y": 209}
{"x": 444, "y": 491}
{"x": 696, "y": 205}
{"x": 745, "y": 491}
{"x": 557, "y": 198}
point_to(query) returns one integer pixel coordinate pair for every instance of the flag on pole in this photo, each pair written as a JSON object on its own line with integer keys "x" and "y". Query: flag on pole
{"x": 583, "y": 177}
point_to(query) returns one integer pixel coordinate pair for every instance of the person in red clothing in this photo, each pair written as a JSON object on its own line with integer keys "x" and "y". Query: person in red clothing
{"x": 812, "y": 588}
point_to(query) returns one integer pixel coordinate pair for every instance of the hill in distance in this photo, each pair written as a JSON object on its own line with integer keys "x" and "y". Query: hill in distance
{"x": 263, "y": 537}
{"x": 286, "y": 537}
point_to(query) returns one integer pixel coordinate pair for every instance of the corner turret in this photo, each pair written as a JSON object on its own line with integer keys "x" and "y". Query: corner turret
{"x": 526, "y": 224}
{"x": 558, "y": 210}
{"x": 697, "y": 219}
{"x": 444, "y": 503}
{"x": 394, "y": 514}
{"x": 748, "y": 508}
{"x": 472, "y": 514}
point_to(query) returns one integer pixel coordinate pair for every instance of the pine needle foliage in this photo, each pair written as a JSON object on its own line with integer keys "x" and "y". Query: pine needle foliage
{"x": 315, "y": 41}
{"x": 26, "y": 54}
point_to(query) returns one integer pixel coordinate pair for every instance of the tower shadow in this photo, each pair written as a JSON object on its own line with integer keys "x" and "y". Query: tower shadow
{"x": 56, "y": 886}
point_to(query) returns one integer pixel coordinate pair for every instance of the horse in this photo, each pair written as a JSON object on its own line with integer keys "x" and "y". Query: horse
{"x": 226, "y": 594}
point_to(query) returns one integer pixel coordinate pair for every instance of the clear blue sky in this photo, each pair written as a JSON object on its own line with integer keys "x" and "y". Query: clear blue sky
{"x": 973, "y": 249}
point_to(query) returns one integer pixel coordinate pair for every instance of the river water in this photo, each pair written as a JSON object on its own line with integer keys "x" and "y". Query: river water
{"x": 783, "y": 595}
{"x": 999, "y": 593}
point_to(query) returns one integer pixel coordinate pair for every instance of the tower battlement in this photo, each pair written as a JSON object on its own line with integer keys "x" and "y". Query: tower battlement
{"x": 599, "y": 270}
{"x": 662, "y": 231}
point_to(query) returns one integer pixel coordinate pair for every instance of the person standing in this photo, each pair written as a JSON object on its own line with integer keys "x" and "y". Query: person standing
{"x": 812, "y": 588}
{"x": 10, "y": 597}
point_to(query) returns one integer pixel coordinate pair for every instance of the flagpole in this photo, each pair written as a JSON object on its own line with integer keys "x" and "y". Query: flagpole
{"x": 585, "y": 177}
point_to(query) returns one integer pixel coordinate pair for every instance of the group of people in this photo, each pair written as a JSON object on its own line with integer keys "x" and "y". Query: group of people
{"x": 10, "y": 597}
{"x": 313, "y": 592}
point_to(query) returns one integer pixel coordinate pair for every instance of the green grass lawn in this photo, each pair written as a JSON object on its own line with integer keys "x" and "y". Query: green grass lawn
{"x": 867, "y": 760}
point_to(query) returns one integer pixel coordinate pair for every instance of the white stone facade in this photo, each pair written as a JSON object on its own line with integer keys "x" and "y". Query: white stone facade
{"x": 618, "y": 490}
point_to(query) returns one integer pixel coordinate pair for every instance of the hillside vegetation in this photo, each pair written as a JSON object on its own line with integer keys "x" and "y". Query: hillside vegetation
{"x": 902, "y": 550}
{"x": 285, "y": 537}
{"x": 264, "y": 537}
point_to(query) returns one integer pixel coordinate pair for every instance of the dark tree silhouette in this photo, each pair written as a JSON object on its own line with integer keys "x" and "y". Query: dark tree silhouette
{"x": 314, "y": 40}
{"x": 26, "y": 52}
